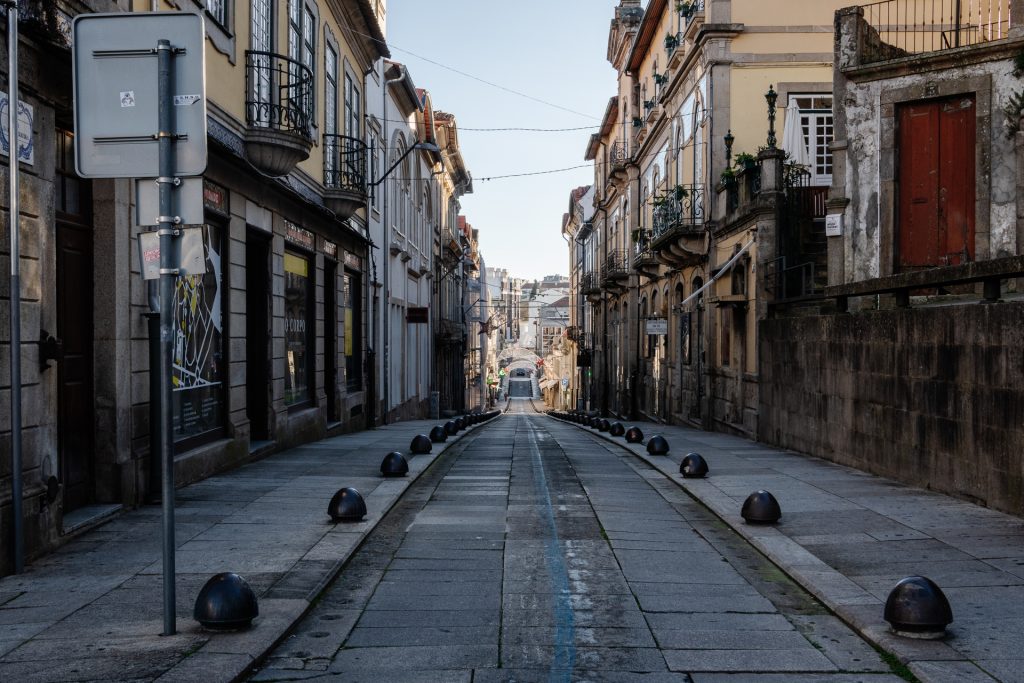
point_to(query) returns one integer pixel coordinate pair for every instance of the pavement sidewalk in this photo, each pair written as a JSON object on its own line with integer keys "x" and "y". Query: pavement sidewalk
{"x": 848, "y": 537}
{"x": 93, "y": 609}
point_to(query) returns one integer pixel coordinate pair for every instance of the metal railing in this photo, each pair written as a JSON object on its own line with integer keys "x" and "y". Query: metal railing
{"x": 905, "y": 27}
{"x": 278, "y": 93}
{"x": 618, "y": 155}
{"x": 616, "y": 264}
{"x": 591, "y": 282}
{"x": 344, "y": 163}
{"x": 682, "y": 209}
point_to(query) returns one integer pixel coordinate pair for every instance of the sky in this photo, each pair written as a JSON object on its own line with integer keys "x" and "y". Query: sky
{"x": 552, "y": 50}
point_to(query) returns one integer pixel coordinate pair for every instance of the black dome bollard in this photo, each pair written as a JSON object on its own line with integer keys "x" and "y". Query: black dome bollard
{"x": 451, "y": 427}
{"x": 603, "y": 425}
{"x": 461, "y": 421}
{"x": 394, "y": 464}
{"x": 657, "y": 445}
{"x": 347, "y": 505}
{"x": 616, "y": 429}
{"x": 438, "y": 434}
{"x": 420, "y": 445}
{"x": 634, "y": 435}
{"x": 760, "y": 507}
{"x": 226, "y": 603}
{"x": 917, "y": 608}
{"x": 693, "y": 466}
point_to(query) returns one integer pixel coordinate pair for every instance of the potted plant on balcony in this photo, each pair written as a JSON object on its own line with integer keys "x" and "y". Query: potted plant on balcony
{"x": 745, "y": 161}
{"x": 728, "y": 177}
{"x": 671, "y": 42}
{"x": 661, "y": 79}
{"x": 679, "y": 192}
{"x": 685, "y": 8}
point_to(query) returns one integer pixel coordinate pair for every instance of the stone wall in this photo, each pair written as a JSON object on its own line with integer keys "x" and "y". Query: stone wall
{"x": 933, "y": 397}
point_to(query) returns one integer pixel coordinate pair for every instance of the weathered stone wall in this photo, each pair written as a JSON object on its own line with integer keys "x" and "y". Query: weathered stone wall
{"x": 930, "y": 396}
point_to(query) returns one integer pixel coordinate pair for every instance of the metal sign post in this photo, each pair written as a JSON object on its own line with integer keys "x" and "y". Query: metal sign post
{"x": 115, "y": 107}
{"x": 14, "y": 225}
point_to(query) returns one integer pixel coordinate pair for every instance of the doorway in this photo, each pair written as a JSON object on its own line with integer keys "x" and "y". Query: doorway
{"x": 936, "y": 176}
{"x": 257, "y": 335}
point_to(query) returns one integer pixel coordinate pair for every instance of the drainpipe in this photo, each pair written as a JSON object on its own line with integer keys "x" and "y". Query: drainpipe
{"x": 385, "y": 374}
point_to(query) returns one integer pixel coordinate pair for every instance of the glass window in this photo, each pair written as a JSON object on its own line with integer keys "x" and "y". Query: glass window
{"x": 353, "y": 331}
{"x": 298, "y": 329}
{"x": 302, "y": 40}
{"x": 816, "y": 123}
{"x": 198, "y": 363}
{"x": 331, "y": 91}
{"x": 351, "y": 107}
{"x": 218, "y": 11}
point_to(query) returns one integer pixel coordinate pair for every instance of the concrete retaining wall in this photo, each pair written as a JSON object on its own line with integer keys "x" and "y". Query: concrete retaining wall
{"x": 930, "y": 396}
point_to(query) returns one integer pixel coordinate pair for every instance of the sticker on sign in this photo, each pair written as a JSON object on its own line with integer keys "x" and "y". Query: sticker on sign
{"x": 186, "y": 100}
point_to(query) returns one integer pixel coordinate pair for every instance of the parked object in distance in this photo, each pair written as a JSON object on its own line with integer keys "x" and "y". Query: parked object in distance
{"x": 347, "y": 505}
{"x": 760, "y": 507}
{"x": 226, "y": 603}
{"x": 917, "y": 608}
{"x": 394, "y": 464}
{"x": 693, "y": 466}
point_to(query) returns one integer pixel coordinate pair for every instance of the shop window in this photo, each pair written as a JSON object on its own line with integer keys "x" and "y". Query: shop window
{"x": 298, "y": 329}
{"x": 198, "y": 362}
{"x": 353, "y": 331}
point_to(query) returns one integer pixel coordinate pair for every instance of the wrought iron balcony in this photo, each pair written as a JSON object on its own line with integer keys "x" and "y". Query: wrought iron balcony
{"x": 645, "y": 261}
{"x": 278, "y": 111}
{"x": 344, "y": 174}
{"x": 679, "y": 237}
{"x": 591, "y": 283}
{"x": 616, "y": 267}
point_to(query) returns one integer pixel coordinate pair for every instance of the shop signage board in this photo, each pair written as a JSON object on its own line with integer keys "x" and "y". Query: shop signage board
{"x": 657, "y": 326}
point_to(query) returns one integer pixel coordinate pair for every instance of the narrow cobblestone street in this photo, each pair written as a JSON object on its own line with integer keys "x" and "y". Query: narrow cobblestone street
{"x": 534, "y": 551}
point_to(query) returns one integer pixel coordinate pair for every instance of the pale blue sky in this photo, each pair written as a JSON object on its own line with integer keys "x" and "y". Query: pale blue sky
{"x": 553, "y": 50}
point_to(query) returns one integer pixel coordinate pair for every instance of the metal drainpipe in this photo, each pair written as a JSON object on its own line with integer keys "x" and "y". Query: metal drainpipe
{"x": 386, "y": 254}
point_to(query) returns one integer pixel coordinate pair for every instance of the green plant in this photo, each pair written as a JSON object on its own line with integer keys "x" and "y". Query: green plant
{"x": 1018, "y": 65}
{"x": 744, "y": 159}
{"x": 637, "y": 122}
{"x": 661, "y": 79}
{"x": 679, "y": 192}
{"x": 728, "y": 176}
{"x": 671, "y": 41}
{"x": 685, "y": 8}
{"x": 1012, "y": 111}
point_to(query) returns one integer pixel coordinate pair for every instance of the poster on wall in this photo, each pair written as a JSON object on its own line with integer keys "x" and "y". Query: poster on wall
{"x": 197, "y": 364}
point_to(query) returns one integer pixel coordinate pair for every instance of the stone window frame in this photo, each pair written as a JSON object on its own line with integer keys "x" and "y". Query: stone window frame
{"x": 934, "y": 87}
{"x": 222, "y": 36}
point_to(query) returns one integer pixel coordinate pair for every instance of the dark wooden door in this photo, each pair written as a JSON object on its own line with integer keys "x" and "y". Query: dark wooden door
{"x": 75, "y": 399}
{"x": 257, "y": 335}
{"x": 936, "y": 191}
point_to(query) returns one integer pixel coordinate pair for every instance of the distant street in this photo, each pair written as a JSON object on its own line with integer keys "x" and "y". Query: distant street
{"x": 535, "y": 551}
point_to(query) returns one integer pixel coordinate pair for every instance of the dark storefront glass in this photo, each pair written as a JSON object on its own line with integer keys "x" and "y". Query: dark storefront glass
{"x": 353, "y": 331}
{"x": 298, "y": 329}
{"x": 198, "y": 367}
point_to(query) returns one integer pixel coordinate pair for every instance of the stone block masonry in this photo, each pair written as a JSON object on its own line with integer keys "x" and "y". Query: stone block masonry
{"x": 933, "y": 397}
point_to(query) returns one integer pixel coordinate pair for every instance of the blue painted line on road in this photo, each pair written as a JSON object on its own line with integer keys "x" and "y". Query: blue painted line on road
{"x": 564, "y": 659}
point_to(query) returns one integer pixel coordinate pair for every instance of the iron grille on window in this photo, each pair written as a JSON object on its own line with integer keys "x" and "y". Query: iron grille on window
{"x": 279, "y": 93}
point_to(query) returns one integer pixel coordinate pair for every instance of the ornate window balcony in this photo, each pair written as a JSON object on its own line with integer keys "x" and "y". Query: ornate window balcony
{"x": 344, "y": 174}
{"x": 278, "y": 112}
{"x": 678, "y": 235}
{"x": 616, "y": 268}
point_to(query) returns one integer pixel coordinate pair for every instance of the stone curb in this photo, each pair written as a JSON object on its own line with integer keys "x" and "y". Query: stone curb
{"x": 231, "y": 657}
{"x": 932, "y": 661}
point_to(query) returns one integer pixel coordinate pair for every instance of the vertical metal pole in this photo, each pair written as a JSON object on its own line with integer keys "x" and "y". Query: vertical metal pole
{"x": 168, "y": 271}
{"x": 14, "y": 225}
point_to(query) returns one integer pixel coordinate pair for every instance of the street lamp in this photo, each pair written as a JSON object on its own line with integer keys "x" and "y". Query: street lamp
{"x": 771, "y": 96}
{"x": 425, "y": 146}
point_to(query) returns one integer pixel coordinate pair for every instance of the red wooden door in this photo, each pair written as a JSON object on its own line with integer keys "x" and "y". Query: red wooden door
{"x": 936, "y": 179}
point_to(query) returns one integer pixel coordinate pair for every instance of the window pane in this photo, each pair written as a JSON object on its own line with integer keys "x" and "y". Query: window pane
{"x": 298, "y": 324}
{"x": 197, "y": 370}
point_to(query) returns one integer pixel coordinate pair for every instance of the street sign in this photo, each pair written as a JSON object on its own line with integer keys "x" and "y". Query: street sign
{"x": 657, "y": 326}
{"x": 565, "y": 381}
{"x": 115, "y": 86}
{"x": 191, "y": 255}
{"x": 186, "y": 201}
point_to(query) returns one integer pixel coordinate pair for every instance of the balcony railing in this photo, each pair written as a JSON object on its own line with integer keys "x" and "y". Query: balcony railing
{"x": 898, "y": 28}
{"x": 279, "y": 93}
{"x": 618, "y": 155}
{"x": 591, "y": 283}
{"x": 616, "y": 265}
{"x": 344, "y": 163}
{"x": 683, "y": 209}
